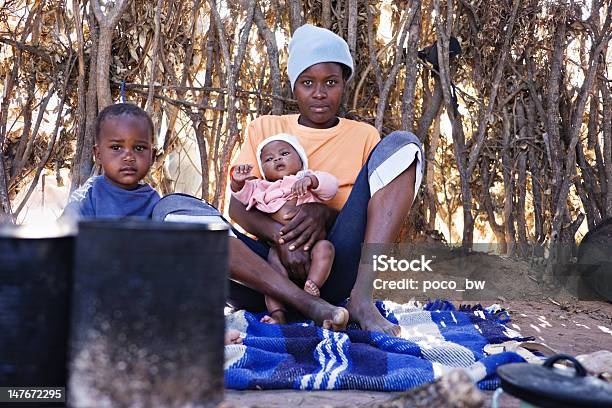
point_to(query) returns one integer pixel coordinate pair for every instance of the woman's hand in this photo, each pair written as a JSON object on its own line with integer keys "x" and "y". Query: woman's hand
{"x": 307, "y": 224}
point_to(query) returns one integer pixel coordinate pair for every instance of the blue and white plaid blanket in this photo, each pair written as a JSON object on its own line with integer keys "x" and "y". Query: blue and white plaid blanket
{"x": 435, "y": 339}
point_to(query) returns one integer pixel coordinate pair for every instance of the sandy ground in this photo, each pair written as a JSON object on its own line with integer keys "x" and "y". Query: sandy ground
{"x": 556, "y": 319}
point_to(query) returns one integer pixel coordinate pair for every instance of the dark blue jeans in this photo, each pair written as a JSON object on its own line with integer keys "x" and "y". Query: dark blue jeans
{"x": 347, "y": 234}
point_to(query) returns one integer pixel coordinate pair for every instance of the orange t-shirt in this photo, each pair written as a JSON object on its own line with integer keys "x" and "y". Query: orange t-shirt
{"x": 341, "y": 150}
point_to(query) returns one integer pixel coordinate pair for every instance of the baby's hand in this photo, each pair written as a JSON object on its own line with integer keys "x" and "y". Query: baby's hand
{"x": 301, "y": 186}
{"x": 242, "y": 173}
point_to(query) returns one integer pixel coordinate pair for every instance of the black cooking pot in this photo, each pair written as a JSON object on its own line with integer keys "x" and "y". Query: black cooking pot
{"x": 147, "y": 322}
{"x": 35, "y": 270}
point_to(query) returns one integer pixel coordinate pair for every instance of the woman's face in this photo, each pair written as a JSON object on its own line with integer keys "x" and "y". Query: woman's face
{"x": 318, "y": 91}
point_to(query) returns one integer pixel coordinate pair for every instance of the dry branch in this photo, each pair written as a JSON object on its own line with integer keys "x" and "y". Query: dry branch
{"x": 410, "y": 80}
{"x": 153, "y": 76}
{"x": 272, "y": 52}
{"x": 391, "y": 77}
{"x": 107, "y": 23}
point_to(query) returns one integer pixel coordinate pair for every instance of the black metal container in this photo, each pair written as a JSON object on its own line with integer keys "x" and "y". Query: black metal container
{"x": 147, "y": 317}
{"x": 35, "y": 271}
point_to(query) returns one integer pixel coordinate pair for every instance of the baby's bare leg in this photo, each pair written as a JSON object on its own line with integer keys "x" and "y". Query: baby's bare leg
{"x": 322, "y": 258}
{"x": 276, "y": 309}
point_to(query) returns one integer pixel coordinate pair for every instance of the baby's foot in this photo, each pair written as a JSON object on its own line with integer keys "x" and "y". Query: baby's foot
{"x": 232, "y": 336}
{"x": 269, "y": 320}
{"x": 312, "y": 288}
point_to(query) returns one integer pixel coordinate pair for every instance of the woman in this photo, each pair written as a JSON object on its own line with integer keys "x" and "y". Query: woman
{"x": 378, "y": 181}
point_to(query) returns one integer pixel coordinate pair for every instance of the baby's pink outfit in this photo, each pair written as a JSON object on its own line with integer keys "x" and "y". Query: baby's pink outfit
{"x": 269, "y": 197}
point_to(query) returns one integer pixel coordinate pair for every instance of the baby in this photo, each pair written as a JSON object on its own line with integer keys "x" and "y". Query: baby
{"x": 287, "y": 183}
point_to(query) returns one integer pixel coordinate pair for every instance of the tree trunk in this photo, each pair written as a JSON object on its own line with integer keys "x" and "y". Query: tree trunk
{"x": 535, "y": 169}
{"x": 487, "y": 202}
{"x": 552, "y": 104}
{"x": 508, "y": 175}
{"x": 326, "y": 14}
{"x": 25, "y": 134}
{"x": 456, "y": 121}
{"x": 466, "y": 193}
{"x": 103, "y": 67}
{"x": 76, "y": 178}
{"x": 272, "y": 52}
{"x": 296, "y": 18}
{"x": 390, "y": 80}
{"x": 352, "y": 26}
{"x": 430, "y": 189}
{"x": 107, "y": 23}
{"x": 91, "y": 102}
{"x": 411, "y": 69}
{"x": 155, "y": 52}
{"x": 431, "y": 103}
{"x": 588, "y": 189}
{"x": 5, "y": 203}
{"x": 521, "y": 220}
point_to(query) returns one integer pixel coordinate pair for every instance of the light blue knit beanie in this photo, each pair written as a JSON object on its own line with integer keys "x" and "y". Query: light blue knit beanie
{"x": 312, "y": 45}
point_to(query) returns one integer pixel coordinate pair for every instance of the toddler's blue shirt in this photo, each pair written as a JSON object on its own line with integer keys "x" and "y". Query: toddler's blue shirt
{"x": 99, "y": 198}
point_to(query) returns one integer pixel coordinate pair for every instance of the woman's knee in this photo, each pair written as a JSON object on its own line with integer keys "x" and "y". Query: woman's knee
{"x": 393, "y": 156}
{"x": 401, "y": 137}
{"x": 394, "y": 142}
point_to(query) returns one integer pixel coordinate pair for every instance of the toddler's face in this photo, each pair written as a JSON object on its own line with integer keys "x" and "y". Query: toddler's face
{"x": 279, "y": 159}
{"x": 124, "y": 149}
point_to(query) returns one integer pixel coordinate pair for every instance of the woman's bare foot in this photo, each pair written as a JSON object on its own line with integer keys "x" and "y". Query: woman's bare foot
{"x": 328, "y": 316}
{"x": 369, "y": 318}
{"x": 232, "y": 336}
{"x": 312, "y": 288}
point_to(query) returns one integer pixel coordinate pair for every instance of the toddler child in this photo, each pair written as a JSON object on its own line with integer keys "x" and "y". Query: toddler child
{"x": 124, "y": 149}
